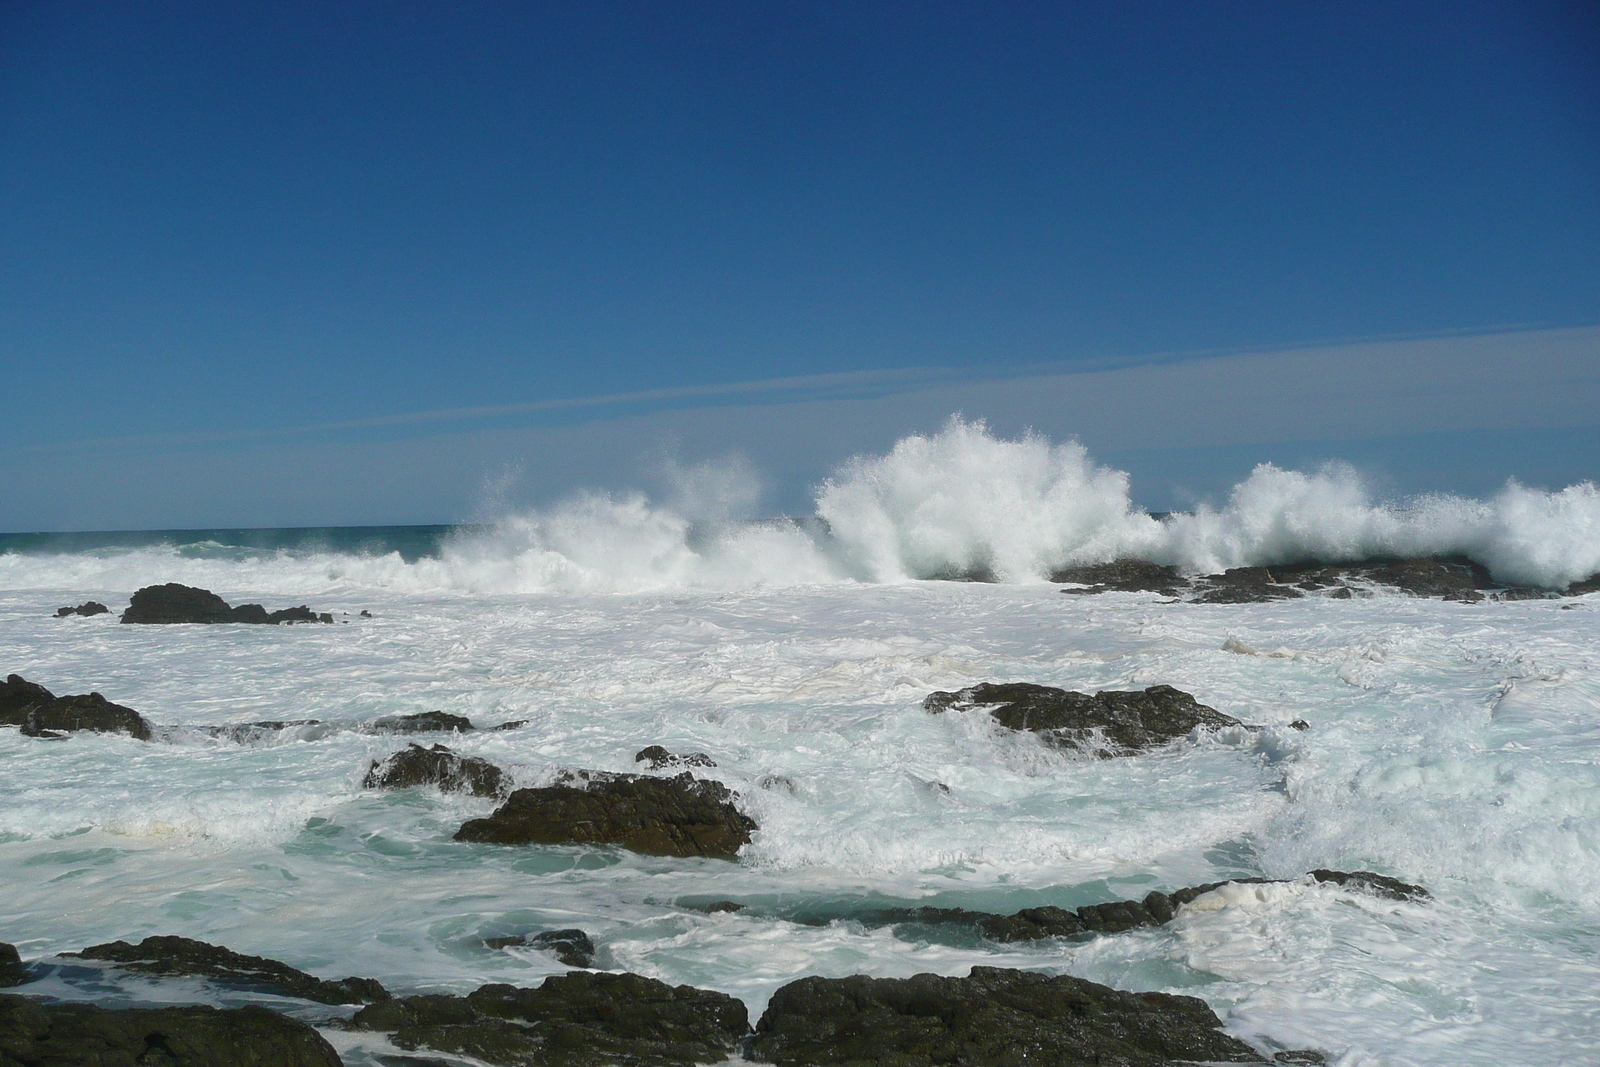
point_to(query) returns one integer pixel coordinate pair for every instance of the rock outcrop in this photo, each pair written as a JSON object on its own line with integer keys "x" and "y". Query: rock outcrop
{"x": 678, "y": 816}
{"x": 451, "y": 772}
{"x": 174, "y": 603}
{"x": 1122, "y": 576}
{"x": 1114, "y": 722}
{"x": 12, "y": 972}
{"x": 578, "y": 1019}
{"x": 655, "y": 757}
{"x": 571, "y": 947}
{"x": 166, "y": 955}
{"x": 994, "y": 1016}
{"x": 422, "y": 723}
{"x": 41, "y": 713}
{"x": 88, "y": 607}
{"x": 72, "y": 1035}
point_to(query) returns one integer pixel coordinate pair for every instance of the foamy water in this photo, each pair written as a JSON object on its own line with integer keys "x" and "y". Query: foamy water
{"x": 1452, "y": 745}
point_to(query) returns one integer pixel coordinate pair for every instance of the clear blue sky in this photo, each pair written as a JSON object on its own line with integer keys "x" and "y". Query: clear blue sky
{"x": 224, "y": 217}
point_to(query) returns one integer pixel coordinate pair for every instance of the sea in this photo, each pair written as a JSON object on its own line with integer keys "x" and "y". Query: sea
{"x": 1451, "y": 745}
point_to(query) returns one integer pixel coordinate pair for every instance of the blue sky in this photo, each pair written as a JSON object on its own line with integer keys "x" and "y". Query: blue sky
{"x": 292, "y": 263}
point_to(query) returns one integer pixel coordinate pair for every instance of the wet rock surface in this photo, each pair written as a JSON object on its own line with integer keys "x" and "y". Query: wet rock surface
{"x": 579, "y": 1019}
{"x": 87, "y": 608}
{"x": 437, "y": 766}
{"x": 571, "y": 947}
{"x": 167, "y": 955}
{"x": 18, "y": 696}
{"x": 656, "y": 757}
{"x": 40, "y": 713}
{"x": 678, "y": 816}
{"x": 993, "y": 1016}
{"x": 1442, "y": 577}
{"x": 174, "y": 603}
{"x": 422, "y": 723}
{"x": 246, "y": 732}
{"x": 1118, "y": 722}
{"x": 12, "y": 972}
{"x": 78, "y": 1035}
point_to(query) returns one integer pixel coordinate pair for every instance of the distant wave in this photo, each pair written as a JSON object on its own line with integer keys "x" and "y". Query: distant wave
{"x": 958, "y": 502}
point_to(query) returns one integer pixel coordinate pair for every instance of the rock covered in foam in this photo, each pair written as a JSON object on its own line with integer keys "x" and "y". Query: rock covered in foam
{"x": 571, "y": 947}
{"x": 174, "y": 603}
{"x": 656, "y": 757}
{"x": 422, "y": 723}
{"x": 578, "y": 1019}
{"x": 1124, "y": 721}
{"x": 678, "y": 816}
{"x": 167, "y": 955}
{"x": 67, "y": 1035}
{"x": 993, "y": 1016}
{"x": 438, "y": 766}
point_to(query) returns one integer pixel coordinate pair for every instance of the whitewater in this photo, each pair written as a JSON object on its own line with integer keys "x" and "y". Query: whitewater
{"x": 1452, "y": 745}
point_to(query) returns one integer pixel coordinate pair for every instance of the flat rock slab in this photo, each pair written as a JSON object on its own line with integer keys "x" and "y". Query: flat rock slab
{"x": 994, "y": 1017}
{"x": 174, "y": 603}
{"x": 1114, "y": 722}
{"x": 449, "y": 771}
{"x": 76, "y": 1035}
{"x": 579, "y": 1019}
{"x": 678, "y": 816}
{"x": 185, "y": 956}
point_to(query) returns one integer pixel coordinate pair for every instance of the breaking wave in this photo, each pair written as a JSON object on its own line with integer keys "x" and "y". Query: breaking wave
{"x": 958, "y": 503}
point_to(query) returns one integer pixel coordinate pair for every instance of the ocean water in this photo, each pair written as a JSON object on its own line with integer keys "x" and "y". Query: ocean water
{"x": 1452, "y": 745}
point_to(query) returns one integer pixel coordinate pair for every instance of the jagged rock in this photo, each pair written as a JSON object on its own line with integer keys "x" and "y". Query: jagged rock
{"x": 993, "y": 1016}
{"x": 12, "y": 972}
{"x": 1245, "y": 585}
{"x": 18, "y": 696}
{"x": 1124, "y": 720}
{"x": 658, "y": 757}
{"x": 422, "y": 723}
{"x": 514, "y": 724}
{"x": 77, "y": 1035}
{"x": 1377, "y": 884}
{"x": 678, "y": 816}
{"x": 175, "y": 603}
{"x": 88, "y": 607}
{"x": 571, "y": 947}
{"x": 1122, "y": 576}
{"x": 243, "y": 732}
{"x": 579, "y": 1019}
{"x": 436, "y": 766}
{"x": 166, "y": 955}
{"x": 59, "y": 715}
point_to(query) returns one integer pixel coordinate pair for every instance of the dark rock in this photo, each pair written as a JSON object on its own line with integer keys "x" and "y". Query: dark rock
{"x": 658, "y": 757}
{"x": 579, "y": 1019}
{"x": 678, "y": 816}
{"x": 1122, "y": 576}
{"x": 514, "y": 724}
{"x": 1379, "y": 884}
{"x": 174, "y": 603}
{"x": 12, "y": 972}
{"x": 88, "y": 607}
{"x": 993, "y": 1016}
{"x": 421, "y": 723}
{"x": 90, "y": 711}
{"x": 1299, "y": 724}
{"x": 436, "y": 766}
{"x": 365, "y": 614}
{"x": 571, "y": 947}
{"x": 18, "y": 697}
{"x": 184, "y": 956}
{"x": 1125, "y": 721}
{"x": 1590, "y": 584}
{"x": 255, "y": 731}
{"x": 1247, "y": 585}
{"x": 79, "y": 1035}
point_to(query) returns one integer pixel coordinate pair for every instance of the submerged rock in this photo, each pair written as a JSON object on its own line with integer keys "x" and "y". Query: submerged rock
{"x": 70, "y": 1035}
{"x": 88, "y": 607}
{"x": 245, "y": 732}
{"x": 1124, "y": 721}
{"x": 679, "y": 816}
{"x": 166, "y": 955}
{"x": 421, "y": 723}
{"x": 437, "y": 766}
{"x": 91, "y": 712}
{"x": 175, "y": 603}
{"x": 993, "y": 1016}
{"x": 12, "y": 972}
{"x": 571, "y": 947}
{"x": 656, "y": 757}
{"x": 578, "y": 1019}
